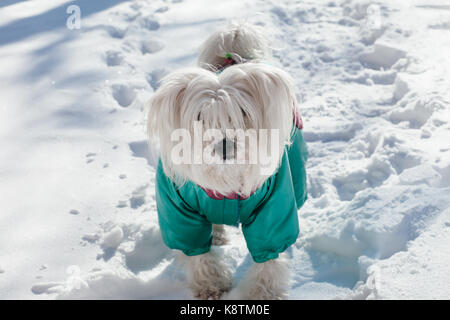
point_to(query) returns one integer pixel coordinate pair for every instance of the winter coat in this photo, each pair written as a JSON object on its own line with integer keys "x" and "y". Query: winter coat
{"x": 268, "y": 216}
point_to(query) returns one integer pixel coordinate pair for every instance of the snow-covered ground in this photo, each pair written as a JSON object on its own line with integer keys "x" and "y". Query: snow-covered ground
{"x": 77, "y": 214}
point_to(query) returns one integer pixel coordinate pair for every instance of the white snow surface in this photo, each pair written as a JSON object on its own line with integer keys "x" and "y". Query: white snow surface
{"x": 78, "y": 214}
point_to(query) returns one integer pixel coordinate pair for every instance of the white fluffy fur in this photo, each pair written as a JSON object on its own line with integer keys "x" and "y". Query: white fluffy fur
{"x": 264, "y": 281}
{"x": 219, "y": 235}
{"x": 244, "y": 96}
{"x": 244, "y": 41}
{"x": 250, "y": 95}
{"x": 207, "y": 275}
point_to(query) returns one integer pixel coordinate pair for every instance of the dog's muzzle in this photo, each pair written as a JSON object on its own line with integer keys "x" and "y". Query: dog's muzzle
{"x": 225, "y": 149}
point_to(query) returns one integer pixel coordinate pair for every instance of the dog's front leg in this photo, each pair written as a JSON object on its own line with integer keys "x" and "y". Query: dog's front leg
{"x": 264, "y": 281}
{"x": 207, "y": 276}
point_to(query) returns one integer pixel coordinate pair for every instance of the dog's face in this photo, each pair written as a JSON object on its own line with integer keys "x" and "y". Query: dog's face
{"x": 209, "y": 125}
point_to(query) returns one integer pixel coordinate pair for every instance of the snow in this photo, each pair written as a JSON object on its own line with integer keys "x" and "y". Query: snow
{"x": 112, "y": 239}
{"x": 78, "y": 215}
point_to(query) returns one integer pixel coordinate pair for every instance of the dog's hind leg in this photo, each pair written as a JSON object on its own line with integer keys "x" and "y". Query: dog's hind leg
{"x": 264, "y": 281}
{"x": 207, "y": 276}
{"x": 219, "y": 236}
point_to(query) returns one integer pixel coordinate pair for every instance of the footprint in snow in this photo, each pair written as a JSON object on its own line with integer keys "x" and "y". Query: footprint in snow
{"x": 109, "y": 243}
{"x": 46, "y": 287}
{"x": 150, "y": 23}
{"x": 435, "y": 7}
{"x": 138, "y": 197}
{"x": 124, "y": 94}
{"x": 91, "y": 237}
{"x": 441, "y": 26}
{"x": 155, "y": 77}
{"x": 152, "y": 46}
{"x": 141, "y": 149}
{"x": 162, "y": 9}
{"x": 122, "y": 204}
{"x": 141, "y": 258}
{"x": 281, "y": 14}
{"x": 113, "y": 58}
{"x": 131, "y": 16}
{"x": 374, "y": 175}
{"x": 90, "y": 157}
{"x": 382, "y": 57}
{"x": 116, "y": 32}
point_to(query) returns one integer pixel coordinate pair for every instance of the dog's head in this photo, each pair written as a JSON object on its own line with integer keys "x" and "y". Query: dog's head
{"x": 212, "y": 126}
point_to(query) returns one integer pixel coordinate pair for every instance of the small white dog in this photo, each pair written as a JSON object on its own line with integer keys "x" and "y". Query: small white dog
{"x": 212, "y": 123}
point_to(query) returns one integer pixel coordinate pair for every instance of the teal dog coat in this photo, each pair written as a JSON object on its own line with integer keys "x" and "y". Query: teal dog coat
{"x": 268, "y": 217}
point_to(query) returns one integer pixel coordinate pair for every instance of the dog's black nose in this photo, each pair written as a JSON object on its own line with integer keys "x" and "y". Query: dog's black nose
{"x": 225, "y": 149}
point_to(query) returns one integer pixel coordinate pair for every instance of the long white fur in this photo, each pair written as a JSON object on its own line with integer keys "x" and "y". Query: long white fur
{"x": 244, "y": 96}
{"x": 243, "y": 41}
{"x": 207, "y": 275}
{"x": 219, "y": 235}
{"x": 250, "y": 95}
{"x": 264, "y": 281}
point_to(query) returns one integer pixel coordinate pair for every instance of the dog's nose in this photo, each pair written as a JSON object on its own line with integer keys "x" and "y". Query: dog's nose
{"x": 225, "y": 149}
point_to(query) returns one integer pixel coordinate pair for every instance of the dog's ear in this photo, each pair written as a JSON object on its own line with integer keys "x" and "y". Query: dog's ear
{"x": 270, "y": 89}
{"x": 164, "y": 107}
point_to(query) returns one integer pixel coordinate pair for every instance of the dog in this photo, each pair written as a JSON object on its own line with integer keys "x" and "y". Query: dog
{"x": 209, "y": 122}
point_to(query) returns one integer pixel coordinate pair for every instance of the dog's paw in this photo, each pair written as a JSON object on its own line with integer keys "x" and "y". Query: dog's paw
{"x": 213, "y": 289}
{"x": 212, "y": 293}
{"x": 208, "y": 277}
{"x": 264, "y": 281}
{"x": 263, "y": 293}
{"x": 255, "y": 292}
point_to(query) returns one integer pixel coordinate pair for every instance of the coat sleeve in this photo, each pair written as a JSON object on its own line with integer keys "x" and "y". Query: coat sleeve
{"x": 274, "y": 224}
{"x": 298, "y": 155}
{"x": 182, "y": 226}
